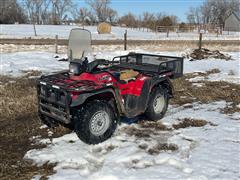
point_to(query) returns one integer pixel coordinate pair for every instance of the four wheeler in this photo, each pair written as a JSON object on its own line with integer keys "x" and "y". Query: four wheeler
{"x": 91, "y": 97}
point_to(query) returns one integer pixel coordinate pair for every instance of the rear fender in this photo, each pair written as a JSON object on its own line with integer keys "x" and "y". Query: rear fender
{"x": 166, "y": 84}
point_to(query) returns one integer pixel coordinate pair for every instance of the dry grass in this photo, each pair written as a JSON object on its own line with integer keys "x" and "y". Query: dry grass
{"x": 162, "y": 147}
{"x": 32, "y": 73}
{"x": 186, "y": 122}
{"x": 199, "y": 54}
{"x": 17, "y": 98}
{"x": 146, "y": 129}
{"x": 140, "y": 133}
{"x": 231, "y": 108}
{"x": 212, "y": 71}
{"x": 231, "y": 73}
{"x": 18, "y": 123}
{"x": 171, "y": 46}
{"x": 210, "y": 92}
{"x": 157, "y": 125}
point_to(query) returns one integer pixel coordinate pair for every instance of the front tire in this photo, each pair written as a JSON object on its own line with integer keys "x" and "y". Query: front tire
{"x": 95, "y": 122}
{"x": 158, "y": 104}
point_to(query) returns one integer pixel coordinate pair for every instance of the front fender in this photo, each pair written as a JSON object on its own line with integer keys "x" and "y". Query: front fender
{"x": 84, "y": 96}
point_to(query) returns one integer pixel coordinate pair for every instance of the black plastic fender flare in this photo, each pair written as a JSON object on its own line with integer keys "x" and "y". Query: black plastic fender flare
{"x": 165, "y": 82}
{"x": 82, "y": 98}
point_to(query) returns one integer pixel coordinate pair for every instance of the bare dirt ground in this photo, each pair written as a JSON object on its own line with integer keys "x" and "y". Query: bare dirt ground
{"x": 19, "y": 122}
{"x": 154, "y": 47}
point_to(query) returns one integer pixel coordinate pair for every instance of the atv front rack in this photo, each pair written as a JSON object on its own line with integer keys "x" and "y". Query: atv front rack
{"x": 54, "y": 95}
{"x": 63, "y": 81}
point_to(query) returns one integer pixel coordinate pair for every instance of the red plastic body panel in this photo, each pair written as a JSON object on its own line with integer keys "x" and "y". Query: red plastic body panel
{"x": 133, "y": 87}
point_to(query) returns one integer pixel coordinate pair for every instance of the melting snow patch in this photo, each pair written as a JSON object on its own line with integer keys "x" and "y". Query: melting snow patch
{"x": 197, "y": 79}
{"x": 16, "y": 64}
{"x": 208, "y": 152}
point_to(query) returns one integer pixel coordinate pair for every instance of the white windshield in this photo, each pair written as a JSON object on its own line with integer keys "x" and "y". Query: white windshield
{"x": 79, "y": 44}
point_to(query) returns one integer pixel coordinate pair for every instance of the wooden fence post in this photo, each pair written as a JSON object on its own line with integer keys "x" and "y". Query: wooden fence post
{"x": 34, "y": 27}
{"x": 200, "y": 41}
{"x": 56, "y": 44}
{"x": 125, "y": 40}
{"x": 167, "y": 32}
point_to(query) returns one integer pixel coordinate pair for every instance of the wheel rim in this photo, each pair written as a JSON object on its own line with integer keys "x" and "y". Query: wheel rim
{"x": 158, "y": 104}
{"x": 99, "y": 123}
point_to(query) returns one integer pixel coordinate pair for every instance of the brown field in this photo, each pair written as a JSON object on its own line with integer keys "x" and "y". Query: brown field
{"x": 152, "y": 46}
{"x": 19, "y": 123}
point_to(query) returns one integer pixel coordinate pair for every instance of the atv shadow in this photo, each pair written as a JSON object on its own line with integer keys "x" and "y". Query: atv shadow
{"x": 134, "y": 120}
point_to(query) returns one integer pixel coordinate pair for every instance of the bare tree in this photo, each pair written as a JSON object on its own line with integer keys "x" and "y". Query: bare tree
{"x": 129, "y": 20}
{"x": 174, "y": 19}
{"x": 37, "y": 11}
{"x": 60, "y": 9}
{"x": 100, "y": 8}
{"x": 159, "y": 17}
{"x": 11, "y": 12}
{"x": 213, "y": 11}
{"x": 32, "y": 7}
{"x": 206, "y": 13}
{"x": 92, "y": 18}
{"x": 148, "y": 20}
{"x": 112, "y": 15}
{"x": 194, "y": 15}
{"x": 83, "y": 14}
{"x": 44, "y": 14}
{"x": 219, "y": 10}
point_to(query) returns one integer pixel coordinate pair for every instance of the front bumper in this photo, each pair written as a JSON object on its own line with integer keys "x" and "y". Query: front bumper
{"x": 53, "y": 103}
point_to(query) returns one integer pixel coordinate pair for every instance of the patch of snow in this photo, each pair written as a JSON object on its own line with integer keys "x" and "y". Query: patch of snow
{"x": 197, "y": 79}
{"x": 50, "y": 133}
{"x": 43, "y": 126}
{"x": 208, "y": 152}
{"x": 36, "y": 177}
{"x": 50, "y": 31}
{"x": 198, "y": 84}
{"x": 224, "y": 66}
{"x": 14, "y": 64}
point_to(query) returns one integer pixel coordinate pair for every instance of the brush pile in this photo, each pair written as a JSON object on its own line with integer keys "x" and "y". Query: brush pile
{"x": 199, "y": 54}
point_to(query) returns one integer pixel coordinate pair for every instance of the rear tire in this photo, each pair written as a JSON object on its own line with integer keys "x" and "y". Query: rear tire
{"x": 158, "y": 104}
{"x": 95, "y": 122}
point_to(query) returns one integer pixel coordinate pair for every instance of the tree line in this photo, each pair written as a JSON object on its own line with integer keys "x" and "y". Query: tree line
{"x": 59, "y": 11}
{"x": 213, "y": 12}
{"x": 62, "y": 11}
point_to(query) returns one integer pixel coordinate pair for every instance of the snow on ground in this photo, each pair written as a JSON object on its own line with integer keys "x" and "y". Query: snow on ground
{"x": 49, "y": 31}
{"x": 15, "y": 63}
{"x": 229, "y": 70}
{"x": 209, "y": 152}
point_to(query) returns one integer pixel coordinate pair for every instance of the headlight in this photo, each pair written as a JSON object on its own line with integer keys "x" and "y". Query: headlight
{"x": 74, "y": 68}
{"x": 42, "y": 90}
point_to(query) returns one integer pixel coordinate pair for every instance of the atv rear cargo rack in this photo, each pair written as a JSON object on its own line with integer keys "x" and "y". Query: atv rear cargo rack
{"x": 152, "y": 63}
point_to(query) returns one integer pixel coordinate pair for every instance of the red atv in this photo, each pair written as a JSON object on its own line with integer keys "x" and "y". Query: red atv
{"x": 92, "y": 96}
